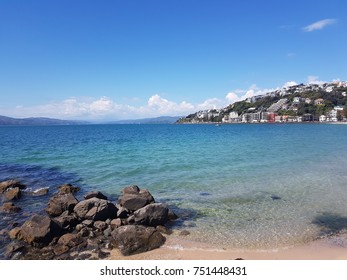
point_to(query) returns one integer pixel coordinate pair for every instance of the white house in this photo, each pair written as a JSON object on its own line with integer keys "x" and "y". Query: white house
{"x": 202, "y": 114}
{"x": 233, "y": 115}
{"x": 296, "y": 100}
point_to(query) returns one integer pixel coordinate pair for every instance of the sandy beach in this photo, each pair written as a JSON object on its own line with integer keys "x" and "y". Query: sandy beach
{"x": 179, "y": 248}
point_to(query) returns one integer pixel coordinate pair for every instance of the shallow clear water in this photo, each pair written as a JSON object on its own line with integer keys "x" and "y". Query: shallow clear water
{"x": 255, "y": 186}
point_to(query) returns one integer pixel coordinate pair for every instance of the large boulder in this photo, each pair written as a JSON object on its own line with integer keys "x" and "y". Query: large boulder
{"x": 11, "y": 184}
{"x": 134, "y": 239}
{"x": 151, "y": 215}
{"x": 133, "y": 198}
{"x": 60, "y": 203}
{"x": 39, "y": 230}
{"x": 95, "y": 209}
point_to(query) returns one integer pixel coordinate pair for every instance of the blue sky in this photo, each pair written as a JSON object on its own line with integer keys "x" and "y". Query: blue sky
{"x": 109, "y": 60}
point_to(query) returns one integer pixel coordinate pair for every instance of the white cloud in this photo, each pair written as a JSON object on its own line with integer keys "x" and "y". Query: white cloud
{"x": 314, "y": 80}
{"x": 289, "y": 84}
{"x": 319, "y": 25}
{"x": 232, "y": 97}
{"x": 103, "y": 108}
{"x": 212, "y": 103}
{"x": 103, "y": 104}
{"x": 239, "y": 94}
{"x": 163, "y": 106}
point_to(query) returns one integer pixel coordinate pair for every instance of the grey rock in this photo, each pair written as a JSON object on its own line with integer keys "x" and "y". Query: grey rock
{"x": 163, "y": 229}
{"x": 115, "y": 223}
{"x": 172, "y": 216}
{"x": 60, "y": 203}
{"x": 131, "y": 189}
{"x": 95, "y": 209}
{"x": 122, "y": 212}
{"x": 14, "y": 233}
{"x": 60, "y": 249}
{"x": 152, "y": 215}
{"x": 84, "y": 232}
{"x": 96, "y": 194}
{"x": 107, "y": 232}
{"x": 70, "y": 240}
{"x": 79, "y": 227}
{"x": 133, "y": 239}
{"x": 133, "y": 198}
{"x": 66, "y": 221}
{"x": 88, "y": 223}
{"x": 39, "y": 230}
{"x": 100, "y": 225}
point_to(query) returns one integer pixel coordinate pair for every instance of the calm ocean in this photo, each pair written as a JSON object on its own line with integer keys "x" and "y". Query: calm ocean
{"x": 254, "y": 186}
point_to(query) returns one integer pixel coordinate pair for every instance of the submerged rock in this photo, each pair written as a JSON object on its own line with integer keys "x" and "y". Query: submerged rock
{"x": 11, "y": 184}
{"x": 39, "y": 192}
{"x": 275, "y": 197}
{"x": 68, "y": 188}
{"x": 9, "y": 207}
{"x": 12, "y": 194}
{"x": 184, "y": 233}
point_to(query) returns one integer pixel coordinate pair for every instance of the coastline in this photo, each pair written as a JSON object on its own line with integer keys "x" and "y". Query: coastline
{"x": 178, "y": 248}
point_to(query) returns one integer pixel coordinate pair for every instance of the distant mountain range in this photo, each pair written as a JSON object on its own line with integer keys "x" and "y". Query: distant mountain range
{"x": 48, "y": 121}
{"x": 37, "y": 121}
{"x": 158, "y": 120}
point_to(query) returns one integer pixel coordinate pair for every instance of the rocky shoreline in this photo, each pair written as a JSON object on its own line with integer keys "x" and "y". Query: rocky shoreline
{"x": 85, "y": 229}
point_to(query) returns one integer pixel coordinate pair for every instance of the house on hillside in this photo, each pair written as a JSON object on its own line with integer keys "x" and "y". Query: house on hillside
{"x": 296, "y": 100}
{"x": 308, "y": 100}
{"x": 307, "y": 118}
{"x": 319, "y": 101}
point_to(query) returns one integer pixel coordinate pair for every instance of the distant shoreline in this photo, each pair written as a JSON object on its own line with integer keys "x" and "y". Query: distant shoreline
{"x": 259, "y": 123}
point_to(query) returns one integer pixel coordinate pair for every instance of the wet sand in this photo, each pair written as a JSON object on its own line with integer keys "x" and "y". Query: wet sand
{"x": 180, "y": 248}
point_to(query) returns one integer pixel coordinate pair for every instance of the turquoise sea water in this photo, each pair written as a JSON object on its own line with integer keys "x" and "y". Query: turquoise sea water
{"x": 255, "y": 186}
